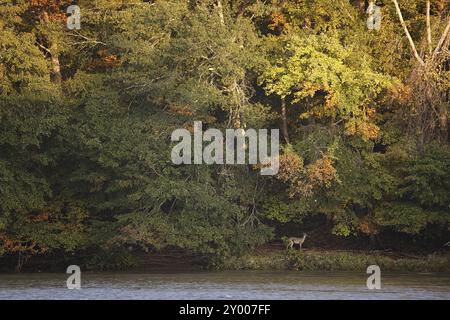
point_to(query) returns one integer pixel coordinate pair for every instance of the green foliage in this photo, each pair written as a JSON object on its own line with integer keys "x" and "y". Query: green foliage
{"x": 421, "y": 194}
{"x": 86, "y": 118}
{"x": 315, "y": 66}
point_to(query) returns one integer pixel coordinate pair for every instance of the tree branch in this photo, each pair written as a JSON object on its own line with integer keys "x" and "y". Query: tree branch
{"x": 443, "y": 38}
{"x": 44, "y": 48}
{"x": 87, "y": 40}
{"x": 408, "y": 35}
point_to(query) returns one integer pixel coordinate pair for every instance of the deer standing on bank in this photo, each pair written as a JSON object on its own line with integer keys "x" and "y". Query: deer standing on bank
{"x": 299, "y": 241}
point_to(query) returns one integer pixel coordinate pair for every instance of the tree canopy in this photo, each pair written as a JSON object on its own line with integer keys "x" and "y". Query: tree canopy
{"x": 86, "y": 118}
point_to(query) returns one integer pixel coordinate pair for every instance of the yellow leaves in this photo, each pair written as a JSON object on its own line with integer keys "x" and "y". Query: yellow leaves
{"x": 209, "y": 119}
{"x": 365, "y": 129}
{"x": 371, "y": 113}
{"x": 309, "y": 90}
{"x": 332, "y": 80}
{"x": 364, "y": 126}
{"x": 400, "y": 93}
{"x": 331, "y": 101}
{"x": 370, "y": 131}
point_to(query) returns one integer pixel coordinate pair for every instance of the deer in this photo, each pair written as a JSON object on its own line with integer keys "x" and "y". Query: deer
{"x": 294, "y": 240}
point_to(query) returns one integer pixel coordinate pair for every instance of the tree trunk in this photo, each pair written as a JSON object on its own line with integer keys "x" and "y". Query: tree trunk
{"x": 220, "y": 7}
{"x": 55, "y": 74}
{"x": 443, "y": 121}
{"x": 56, "y": 66}
{"x": 362, "y": 5}
{"x": 430, "y": 45}
{"x": 284, "y": 126}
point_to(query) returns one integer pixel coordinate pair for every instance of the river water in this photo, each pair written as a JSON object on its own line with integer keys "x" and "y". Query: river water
{"x": 226, "y": 285}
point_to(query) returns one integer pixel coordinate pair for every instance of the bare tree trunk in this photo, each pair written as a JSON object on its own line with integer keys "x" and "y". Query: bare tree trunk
{"x": 22, "y": 259}
{"x": 442, "y": 40}
{"x": 284, "y": 126}
{"x": 55, "y": 74}
{"x": 220, "y": 7}
{"x": 56, "y": 66}
{"x": 361, "y": 4}
{"x": 443, "y": 121}
{"x": 408, "y": 35}
{"x": 430, "y": 47}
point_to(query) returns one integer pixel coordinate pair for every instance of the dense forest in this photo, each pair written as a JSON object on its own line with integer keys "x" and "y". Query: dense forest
{"x": 87, "y": 114}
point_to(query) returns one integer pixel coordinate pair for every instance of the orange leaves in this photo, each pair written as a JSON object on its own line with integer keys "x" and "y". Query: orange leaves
{"x": 15, "y": 245}
{"x": 186, "y": 110}
{"x": 367, "y": 226}
{"x": 42, "y": 217}
{"x": 182, "y": 110}
{"x": 278, "y": 23}
{"x": 321, "y": 172}
{"x": 104, "y": 61}
{"x": 49, "y": 10}
{"x": 60, "y": 216}
{"x": 8, "y": 244}
{"x": 303, "y": 180}
{"x": 291, "y": 165}
{"x": 59, "y": 224}
{"x": 189, "y": 126}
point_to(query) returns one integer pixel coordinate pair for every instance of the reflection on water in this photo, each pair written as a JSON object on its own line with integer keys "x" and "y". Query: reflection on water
{"x": 225, "y": 285}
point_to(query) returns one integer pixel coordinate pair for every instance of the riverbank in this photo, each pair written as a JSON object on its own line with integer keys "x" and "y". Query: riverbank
{"x": 312, "y": 260}
{"x": 265, "y": 259}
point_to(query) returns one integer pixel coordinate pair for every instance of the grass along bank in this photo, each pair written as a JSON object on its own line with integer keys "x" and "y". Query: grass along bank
{"x": 335, "y": 261}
